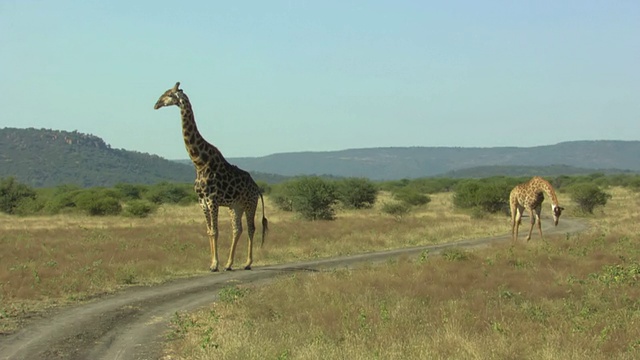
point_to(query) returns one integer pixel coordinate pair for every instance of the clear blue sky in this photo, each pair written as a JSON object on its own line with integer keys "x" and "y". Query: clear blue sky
{"x": 275, "y": 76}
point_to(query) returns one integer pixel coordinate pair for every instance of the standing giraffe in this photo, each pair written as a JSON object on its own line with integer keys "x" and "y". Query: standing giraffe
{"x": 217, "y": 183}
{"x": 529, "y": 196}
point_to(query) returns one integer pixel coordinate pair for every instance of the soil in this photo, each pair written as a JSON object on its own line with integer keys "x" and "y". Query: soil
{"x": 133, "y": 324}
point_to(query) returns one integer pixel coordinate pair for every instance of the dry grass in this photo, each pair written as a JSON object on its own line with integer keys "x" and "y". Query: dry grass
{"x": 47, "y": 261}
{"x": 570, "y": 297}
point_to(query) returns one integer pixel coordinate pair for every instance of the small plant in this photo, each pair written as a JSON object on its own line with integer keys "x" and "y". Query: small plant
{"x": 126, "y": 275}
{"x": 455, "y": 254}
{"x": 231, "y": 294}
{"x": 424, "y": 254}
{"x": 618, "y": 274}
{"x": 181, "y": 324}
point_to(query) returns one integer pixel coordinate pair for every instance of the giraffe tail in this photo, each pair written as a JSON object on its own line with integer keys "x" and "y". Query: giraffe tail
{"x": 265, "y": 223}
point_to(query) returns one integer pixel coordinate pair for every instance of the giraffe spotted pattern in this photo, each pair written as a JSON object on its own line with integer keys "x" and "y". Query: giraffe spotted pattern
{"x": 529, "y": 196}
{"x": 218, "y": 183}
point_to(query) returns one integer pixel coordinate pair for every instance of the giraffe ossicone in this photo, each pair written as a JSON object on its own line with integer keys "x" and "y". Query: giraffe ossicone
{"x": 218, "y": 183}
{"x": 529, "y": 196}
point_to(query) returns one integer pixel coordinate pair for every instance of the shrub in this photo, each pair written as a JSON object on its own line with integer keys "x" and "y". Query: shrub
{"x": 265, "y": 188}
{"x": 411, "y": 197}
{"x": 169, "y": 193}
{"x": 282, "y": 201}
{"x": 12, "y": 193}
{"x": 131, "y": 191}
{"x": 490, "y": 195}
{"x": 357, "y": 193}
{"x": 312, "y": 197}
{"x": 587, "y": 196}
{"x": 98, "y": 203}
{"x": 139, "y": 208}
{"x": 396, "y": 209}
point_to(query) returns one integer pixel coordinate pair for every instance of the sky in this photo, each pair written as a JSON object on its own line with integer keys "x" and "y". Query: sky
{"x": 275, "y": 76}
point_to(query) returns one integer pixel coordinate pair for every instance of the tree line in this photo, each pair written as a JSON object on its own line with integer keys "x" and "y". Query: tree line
{"x": 310, "y": 197}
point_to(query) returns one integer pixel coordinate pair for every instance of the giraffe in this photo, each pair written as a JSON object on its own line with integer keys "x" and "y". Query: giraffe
{"x": 530, "y": 195}
{"x": 218, "y": 183}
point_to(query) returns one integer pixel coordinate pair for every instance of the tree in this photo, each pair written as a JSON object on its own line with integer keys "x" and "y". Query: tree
{"x": 12, "y": 193}
{"x": 587, "y": 196}
{"x": 357, "y": 193}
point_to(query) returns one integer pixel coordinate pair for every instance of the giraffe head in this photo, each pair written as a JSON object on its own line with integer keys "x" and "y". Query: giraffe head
{"x": 170, "y": 97}
{"x": 557, "y": 211}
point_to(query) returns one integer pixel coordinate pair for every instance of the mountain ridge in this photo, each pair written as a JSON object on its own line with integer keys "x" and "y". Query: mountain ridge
{"x": 45, "y": 158}
{"x": 413, "y": 162}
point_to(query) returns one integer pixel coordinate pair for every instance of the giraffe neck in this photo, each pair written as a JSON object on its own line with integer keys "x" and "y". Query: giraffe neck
{"x": 200, "y": 151}
{"x": 544, "y": 185}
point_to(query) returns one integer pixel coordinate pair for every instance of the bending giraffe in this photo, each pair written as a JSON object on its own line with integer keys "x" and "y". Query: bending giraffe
{"x": 529, "y": 196}
{"x": 217, "y": 183}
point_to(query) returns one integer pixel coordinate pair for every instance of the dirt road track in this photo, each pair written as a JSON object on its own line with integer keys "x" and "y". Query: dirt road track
{"x": 131, "y": 324}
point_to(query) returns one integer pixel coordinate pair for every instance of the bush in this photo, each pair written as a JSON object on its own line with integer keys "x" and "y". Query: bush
{"x": 396, "y": 209}
{"x": 587, "y": 196}
{"x": 168, "y": 193}
{"x": 265, "y": 188}
{"x": 139, "y": 208}
{"x": 13, "y": 193}
{"x": 131, "y": 191}
{"x": 311, "y": 197}
{"x": 357, "y": 193}
{"x": 421, "y": 185}
{"x": 490, "y": 195}
{"x": 98, "y": 203}
{"x": 466, "y": 194}
{"x": 411, "y": 197}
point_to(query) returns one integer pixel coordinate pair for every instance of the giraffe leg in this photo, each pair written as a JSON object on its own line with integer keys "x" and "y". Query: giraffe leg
{"x": 517, "y": 220}
{"x": 539, "y": 222}
{"x": 236, "y": 224}
{"x": 251, "y": 228}
{"x": 213, "y": 238}
{"x": 206, "y": 209}
{"x": 533, "y": 221}
{"x": 512, "y": 209}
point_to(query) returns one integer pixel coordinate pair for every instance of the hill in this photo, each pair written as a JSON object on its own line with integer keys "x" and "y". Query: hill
{"x": 519, "y": 171}
{"x": 45, "y": 158}
{"x": 416, "y": 162}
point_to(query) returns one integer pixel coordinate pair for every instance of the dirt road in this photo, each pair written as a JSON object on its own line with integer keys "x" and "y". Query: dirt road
{"x": 131, "y": 324}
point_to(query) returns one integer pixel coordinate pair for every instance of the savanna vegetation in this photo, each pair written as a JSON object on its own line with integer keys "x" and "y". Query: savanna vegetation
{"x": 573, "y": 296}
{"x": 566, "y": 297}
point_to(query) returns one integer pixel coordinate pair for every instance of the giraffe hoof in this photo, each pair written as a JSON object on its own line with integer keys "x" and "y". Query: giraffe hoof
{"x": 213, "y": 269}
{"x": 248, "y": 267}
{"x": 228, "y": 269}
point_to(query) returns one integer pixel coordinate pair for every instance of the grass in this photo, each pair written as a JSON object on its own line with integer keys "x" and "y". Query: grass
{"x": 54, "y": 260}
{"x": 569, "y": 297}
